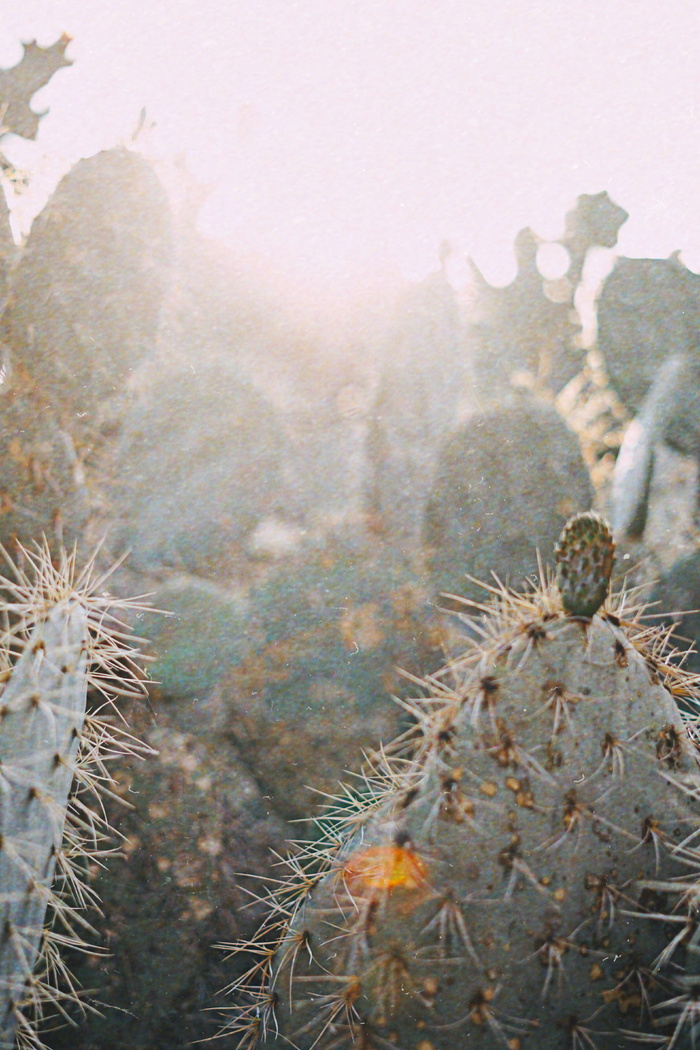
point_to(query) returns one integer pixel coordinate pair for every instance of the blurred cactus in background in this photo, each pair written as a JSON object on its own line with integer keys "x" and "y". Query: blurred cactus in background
{"x": 416, "y": 405}
{"x": 328, "y": 631}
{"x": 87, "y": 287}
{"x": 668, "y": 415}
{"x": 204, "y": 447}
{"x": 43, "y": 489}
{"x": 518, "y": 332}
{"x": 81, "y": 313}
{"x": 19, "y": 84}
{"x": 7, "y": 248}
{"x": 529, "y": 332}
{"x": 648, "y": 309}
{"x": 594, "y": 222}
{"x": 504, "y": 485}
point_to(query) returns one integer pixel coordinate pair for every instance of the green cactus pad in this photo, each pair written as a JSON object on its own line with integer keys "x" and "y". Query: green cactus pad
{"x": 518, "y": 871}
{"x": 585, "y": 554}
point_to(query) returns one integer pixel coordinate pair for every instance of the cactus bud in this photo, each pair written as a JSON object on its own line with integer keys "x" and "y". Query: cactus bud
{"x": 584, "y": 555}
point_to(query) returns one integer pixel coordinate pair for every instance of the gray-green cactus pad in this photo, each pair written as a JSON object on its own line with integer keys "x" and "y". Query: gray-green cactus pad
{"x": 523, "y": 877}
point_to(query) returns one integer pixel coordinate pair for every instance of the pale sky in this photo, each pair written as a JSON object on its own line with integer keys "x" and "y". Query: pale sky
{"x": 344, "y": 137}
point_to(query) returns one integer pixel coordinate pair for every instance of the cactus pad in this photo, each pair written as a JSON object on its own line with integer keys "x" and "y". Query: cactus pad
{"x": 518, "y": 870}
{"x": 19, "y": 84}
{"x": 584, "y": 556}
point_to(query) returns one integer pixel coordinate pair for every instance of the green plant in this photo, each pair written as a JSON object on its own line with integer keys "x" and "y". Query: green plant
{"x": 504, "y": 485}
{"x": 62, "y": 641}
{"x": 585, "y": 556}
{"x": 521, "y": 868}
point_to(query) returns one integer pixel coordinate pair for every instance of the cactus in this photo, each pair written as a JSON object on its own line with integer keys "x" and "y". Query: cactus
{"x": 44, "y": 485}
{"x": 585, "y": 555}
{"x": 668, "y": 415}
{"x": 197, "y": 467}
{"x": 7, "y": 247}
{"x": 520, "y": 869}
{"x": 594, "y": 221}
{"x": 61, "y": 639}
{"x": 416, "y": 404}
{"x": 86, "y": 291}
{"x": 647, "y": 310}
{"x": 81, "y": 311}
{"x": 325, "y": 631}
{"x": 678, "y": 589}
{"x": 19, "y": 84}
{"x": 519, "y": 331}
{"x": 504, "y": 486}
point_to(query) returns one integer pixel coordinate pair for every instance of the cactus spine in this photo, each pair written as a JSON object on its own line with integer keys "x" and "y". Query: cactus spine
{"x": 61, "y": 640}
{"x": 521, "y": 868}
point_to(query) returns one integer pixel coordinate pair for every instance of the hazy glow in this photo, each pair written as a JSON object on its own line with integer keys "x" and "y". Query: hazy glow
{"x": 552, "y": 261}
{"x": 342, "y": 141}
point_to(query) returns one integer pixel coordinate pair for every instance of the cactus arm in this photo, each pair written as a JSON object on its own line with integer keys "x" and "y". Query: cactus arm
{"x": 63, "y": 639}
{"x": 634, "y": 469}
{"x": 663, "y": 416}
{"x": 42, "y": 709}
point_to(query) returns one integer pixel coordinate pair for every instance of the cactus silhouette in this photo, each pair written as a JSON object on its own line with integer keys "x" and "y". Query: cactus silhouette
{"x": 62, "y": 641}
{"x": 520, "y": 868}
{"x": 17, "y": 87}
{"x": 19, "y": 84}
{"x": 87, "y": 288}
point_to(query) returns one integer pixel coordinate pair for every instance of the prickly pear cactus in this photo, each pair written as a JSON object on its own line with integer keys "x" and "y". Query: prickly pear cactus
{"x": 19, "y": 84}
{"x": 520, "y": 869}
{"x": 87, "y": 289}
{"x": 504, "y": 486}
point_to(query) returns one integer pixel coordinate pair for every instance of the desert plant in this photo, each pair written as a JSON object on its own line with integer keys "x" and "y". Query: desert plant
{"x": 325, "y": 631}
{"x": 79, "y": 310}
{"x": 519, "y": 869}
{"x": 647, "y": 309}
{"x": 87, "y": 287}
{"x": 415, "y": 406}
{"x": 61, "y": 641}
{"x": 17, "y": 86}
{"x": 204, "y": 448}
{"x": 668, "y": 416}
{"x": 504, "y": 485}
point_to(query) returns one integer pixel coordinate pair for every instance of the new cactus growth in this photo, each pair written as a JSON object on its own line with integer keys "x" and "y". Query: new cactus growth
{"x": 585, "y": 556}
{"x": 521, "y": 868}
{"x": 61, "y": 640}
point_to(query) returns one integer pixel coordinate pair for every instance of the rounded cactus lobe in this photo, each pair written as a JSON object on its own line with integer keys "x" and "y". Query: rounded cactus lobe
{"x": 504, "y": 485}
{"x": 519, "y": 874}
{"x": 87, "y": 289}
{"x": 585, "y": 555}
